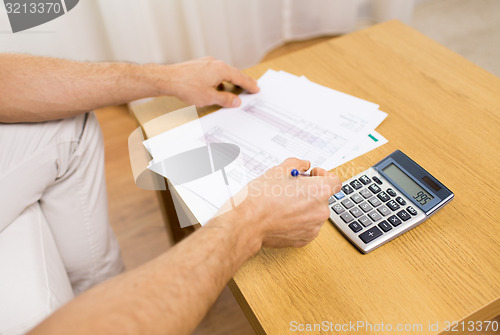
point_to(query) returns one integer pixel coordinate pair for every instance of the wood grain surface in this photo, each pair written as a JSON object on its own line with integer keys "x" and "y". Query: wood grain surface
{"x": 444, "y": 113}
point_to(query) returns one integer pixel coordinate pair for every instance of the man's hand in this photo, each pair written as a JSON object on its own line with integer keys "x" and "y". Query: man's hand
{"x": 196, "y": 82}
{"x": 41, "y": 88}
{"x": 289, "y": 211}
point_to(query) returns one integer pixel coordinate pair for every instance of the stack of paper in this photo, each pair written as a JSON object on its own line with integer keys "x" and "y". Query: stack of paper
{"x": 290, "y": 117}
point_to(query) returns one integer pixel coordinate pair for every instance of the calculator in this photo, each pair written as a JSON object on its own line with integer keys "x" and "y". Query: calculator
{"x": 385, "y": 201}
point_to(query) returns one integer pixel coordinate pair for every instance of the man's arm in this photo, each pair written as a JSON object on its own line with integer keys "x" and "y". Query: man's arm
{"x": 172, "y": 293}
{"x": 36, "y": 89}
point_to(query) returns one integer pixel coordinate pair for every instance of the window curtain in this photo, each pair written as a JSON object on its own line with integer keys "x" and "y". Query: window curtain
{"x": 239, "y": 32}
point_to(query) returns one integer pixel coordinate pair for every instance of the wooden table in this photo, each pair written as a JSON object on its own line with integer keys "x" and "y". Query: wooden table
{"x": 444, "y": 113}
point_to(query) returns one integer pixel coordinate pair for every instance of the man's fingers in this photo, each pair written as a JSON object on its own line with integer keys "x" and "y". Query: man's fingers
{"x": 237, "y": 77}
{"x": 294, "y": 163}
{"x": 333, "y": 182}
{"x": 226, "y": 99}
{"x": 329, "y": 180}
{"x": 284, "y": 169}
{"x": 318, "y": 172}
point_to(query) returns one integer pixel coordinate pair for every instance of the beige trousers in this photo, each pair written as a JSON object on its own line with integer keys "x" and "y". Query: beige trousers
{"x": 53, "y": 213}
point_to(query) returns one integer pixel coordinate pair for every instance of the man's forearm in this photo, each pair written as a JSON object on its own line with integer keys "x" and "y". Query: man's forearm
{"x": 40, "y": 88}
{"x": 172, "y": 293}
{"x": 36, "y": 89}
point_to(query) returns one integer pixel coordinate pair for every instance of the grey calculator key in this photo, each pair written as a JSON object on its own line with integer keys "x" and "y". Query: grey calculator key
{"x": 337, "y": 208}
{"x": 365, "y": 179}
{"x": 356, "y": 184}
{"x": 370, "y": 234}
{"x": 374, "y": 188}
{"x": 355, "y": 227}
{"x": 412, "y": 210}
{"x": 365, "y": 193}
{"x": 365, "y": 221}
{"x": 374, "y": 215}
{"x": 384, "y": 210}
{"x": 374, "y": 201}
{"x": 346, "y": 217}
{"x": 391, "y": 192}
{"x": 393, "y": 205}
{"x": 347, "y": 203}
{"x": 347, "y": 189}
{"x": 385, "y": 226}
{"x": 403, "y": 215}
{"x": 331, "y": 200}
{"x": 394, "y": 220}
{"x": 383, "y": 196}
{"x": 365, "y": 206}
{"x": 357, "y": 198}
{"x": 356, "y": 212}
{"x": 401, "y": 201}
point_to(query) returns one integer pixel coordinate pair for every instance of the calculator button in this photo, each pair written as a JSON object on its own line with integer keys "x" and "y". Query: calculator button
{"x": 365, "y": 221}
{"x": 347, "y": 203}
{"x": 346, "y": 217}
{"x": 391, "y": 192}
{"x": 356, "y": 184}
{"x": 365, "y": 193}
{"x": 394, "y": 220}
{"x": 339, "y": 195}
{"x": 374, "y": 201}
{"x": 411, "y": 210}
{"x": 385, "y": 226}
{"x": 403, "y": 215}
{"x": 337, "y": 208}
{"x": 347, "y": 189}
{"x": 401, "y": 201}
{"x": 331, "y": 200}
{"x": 374, "y": 188}
{"x": 378, "y": 181}
{"x": 356, "y": 212}
{"x": 355, "y": 227}
{"x": 357, "y": 198}
{"x": 393, "y": 205}
{"x": 365, "y": 207}
{"x": 383, "y": 196}
{"x": 374, "y": 215}
{"x": 365, "y": 180}
{"x": 384, "y": 210}
{"x": 370, "y": 234}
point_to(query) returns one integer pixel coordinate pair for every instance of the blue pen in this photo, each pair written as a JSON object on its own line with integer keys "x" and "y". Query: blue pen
{"x": 296, "y": 173}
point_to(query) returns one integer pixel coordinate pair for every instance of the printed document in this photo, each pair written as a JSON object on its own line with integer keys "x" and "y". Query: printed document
{"x": 290, "y": 117}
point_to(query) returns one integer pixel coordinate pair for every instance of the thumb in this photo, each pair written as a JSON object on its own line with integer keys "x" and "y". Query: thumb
{"x": 226, "y": 99}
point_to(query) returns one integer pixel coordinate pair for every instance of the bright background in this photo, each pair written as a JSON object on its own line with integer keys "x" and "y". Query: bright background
{"x": 239, "y": 32}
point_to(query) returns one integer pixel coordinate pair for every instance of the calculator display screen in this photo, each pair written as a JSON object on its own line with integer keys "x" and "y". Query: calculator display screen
{"x": 407, "y": 184}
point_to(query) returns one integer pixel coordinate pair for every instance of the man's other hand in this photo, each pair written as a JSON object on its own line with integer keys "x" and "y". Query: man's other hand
{"x": 196, "y": 82}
